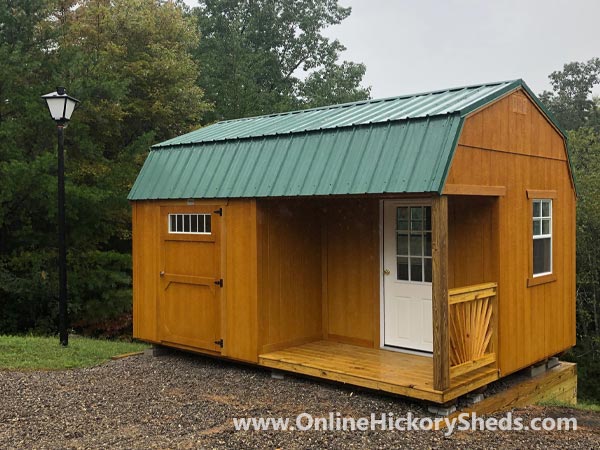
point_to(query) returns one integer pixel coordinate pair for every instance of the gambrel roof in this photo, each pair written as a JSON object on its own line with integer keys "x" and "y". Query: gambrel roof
{"x": 395, "y": 145}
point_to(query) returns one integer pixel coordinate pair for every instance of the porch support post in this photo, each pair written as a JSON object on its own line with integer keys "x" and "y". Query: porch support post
{"x": 441, "y": 335}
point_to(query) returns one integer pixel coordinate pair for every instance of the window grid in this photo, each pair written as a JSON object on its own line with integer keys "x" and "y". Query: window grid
{"x": 190, "y": 223}
{"x": 413, "y": 244}
{"x": 542, "y": 237}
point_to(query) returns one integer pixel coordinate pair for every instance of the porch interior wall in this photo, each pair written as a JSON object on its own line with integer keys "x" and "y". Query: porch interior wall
{"x": 472, "y": 242}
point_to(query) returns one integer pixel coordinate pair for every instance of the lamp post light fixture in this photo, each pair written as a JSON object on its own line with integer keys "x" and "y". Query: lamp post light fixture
{"x": 61, "y": 106}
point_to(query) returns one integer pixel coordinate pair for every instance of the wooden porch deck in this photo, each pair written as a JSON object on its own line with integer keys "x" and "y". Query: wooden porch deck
{"x": 398, "y": 373}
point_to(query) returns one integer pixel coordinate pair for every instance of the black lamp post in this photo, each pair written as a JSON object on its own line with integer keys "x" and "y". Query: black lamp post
{"x": 61, "y": 106}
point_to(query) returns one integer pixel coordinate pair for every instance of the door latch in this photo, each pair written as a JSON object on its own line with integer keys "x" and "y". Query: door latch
{"x": 219, "y": 282}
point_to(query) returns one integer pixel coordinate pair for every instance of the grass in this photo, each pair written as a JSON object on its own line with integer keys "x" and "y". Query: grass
{"x": 45, "y": 353}
{"x": 581, "y": 405}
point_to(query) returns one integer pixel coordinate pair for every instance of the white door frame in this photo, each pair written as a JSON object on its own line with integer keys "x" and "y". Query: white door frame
{"x": 417, "y": 201}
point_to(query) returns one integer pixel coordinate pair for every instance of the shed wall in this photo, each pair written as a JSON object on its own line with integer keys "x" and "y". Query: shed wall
{"x": 318, "y": 271}
{"x": 511, "y": 143}
{"x": 351, "y": 278}
{"x": 472, "y": 247}
{"x": 239, "y": 269}
{"x": 290, "y": 302}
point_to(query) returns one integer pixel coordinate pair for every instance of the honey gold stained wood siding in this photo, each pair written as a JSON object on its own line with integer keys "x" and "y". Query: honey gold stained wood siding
{"x": 352, "y": 272}
{"x": 240, "y": 317}
{"x": 472, "y": 245}
{"x": 145, "y": 255}
{"x": 290, "y": 307}
{"x": 511, "y": 143}
{"x": 238, "y": 266}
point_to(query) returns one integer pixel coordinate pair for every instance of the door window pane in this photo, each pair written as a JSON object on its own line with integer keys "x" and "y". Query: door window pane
{"x": 402, "y": 244}
{"x": 416, "y": 218}
{"x": 427, "y": 244}
{"x": 416, "y": 245}
{"x": 402, "y": 218}
{"x": 416, "y": 269}
{"x": 428, "y": 218}
{"x": 416, "y": 213}
{"x": 427, "y": 270}
{"x": 402, "y": 271}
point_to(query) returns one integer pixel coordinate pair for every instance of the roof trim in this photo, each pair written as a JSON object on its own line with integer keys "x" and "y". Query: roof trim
{"x": 451, "y": 156}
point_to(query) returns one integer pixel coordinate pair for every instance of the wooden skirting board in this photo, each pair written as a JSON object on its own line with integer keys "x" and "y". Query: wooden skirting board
{"x": 557, "y": 384}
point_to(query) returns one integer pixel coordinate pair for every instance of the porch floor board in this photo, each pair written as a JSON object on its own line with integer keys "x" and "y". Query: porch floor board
{"x": 398, "y": 373}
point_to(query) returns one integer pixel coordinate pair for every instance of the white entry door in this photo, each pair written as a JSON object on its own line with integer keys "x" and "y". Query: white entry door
{"x": 407, "y": 266}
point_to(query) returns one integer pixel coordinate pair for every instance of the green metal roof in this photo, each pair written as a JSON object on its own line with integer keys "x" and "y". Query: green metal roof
{"x": 393, "y": 145}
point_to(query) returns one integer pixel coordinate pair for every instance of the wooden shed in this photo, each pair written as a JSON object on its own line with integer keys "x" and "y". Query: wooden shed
{"x": 422, "y": 245}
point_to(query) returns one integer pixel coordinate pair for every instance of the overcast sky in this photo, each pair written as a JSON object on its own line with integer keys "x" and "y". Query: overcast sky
{"x": 411, "y": 46}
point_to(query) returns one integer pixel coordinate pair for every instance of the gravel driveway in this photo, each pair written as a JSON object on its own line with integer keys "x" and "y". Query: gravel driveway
{"x": 186, "y": 401}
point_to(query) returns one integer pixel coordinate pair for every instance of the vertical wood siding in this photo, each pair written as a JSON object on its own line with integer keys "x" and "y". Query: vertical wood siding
{"x": 238, "y": 268}
{"x": 352, "y": 272}
{"x": 290, "y": 308}
{"x": 501, "y": 146}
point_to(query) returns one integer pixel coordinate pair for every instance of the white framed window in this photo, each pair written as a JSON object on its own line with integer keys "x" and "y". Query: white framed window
{"x": 189, "y": 223}
{"x": 542, "y": 237}
{"x": 413, "y": 243}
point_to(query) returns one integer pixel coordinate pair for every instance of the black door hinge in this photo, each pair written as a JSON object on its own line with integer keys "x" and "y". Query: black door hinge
{"x": 219, "y": 211}
{"x": 219, "y": 343}
{"x": 219, "y": 282}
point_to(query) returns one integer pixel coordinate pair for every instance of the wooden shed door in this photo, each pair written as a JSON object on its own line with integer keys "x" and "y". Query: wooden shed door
{"x": 189, "y": 305}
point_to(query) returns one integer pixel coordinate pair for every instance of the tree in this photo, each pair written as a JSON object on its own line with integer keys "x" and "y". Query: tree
{"x": 253, "y": 53}
{"x": 130, "y": 63}
{"x": 575, "y": 109}
{"x": 334, "y": 84}
{"x": 570, "y": 101}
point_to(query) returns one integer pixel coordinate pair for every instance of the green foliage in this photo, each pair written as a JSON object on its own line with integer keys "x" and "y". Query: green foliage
{"x": 45, "y": 353}
{"x": 334, "y": 84}
{"x": 136, "y": 67}
{"x": 253, "y": 53}
{"x": 572, "y": 104}
{"x": 130, "y": 63}
{"x": 585, "y": 154}
{"x": 570, "y": 101}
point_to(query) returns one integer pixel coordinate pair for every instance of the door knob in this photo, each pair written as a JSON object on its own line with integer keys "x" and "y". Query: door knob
{"x": 162, "y": 273}
{"x": 386, "y": 271}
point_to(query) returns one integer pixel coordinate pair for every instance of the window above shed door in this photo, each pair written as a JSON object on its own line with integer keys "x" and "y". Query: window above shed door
{"x": 190, "y": 223}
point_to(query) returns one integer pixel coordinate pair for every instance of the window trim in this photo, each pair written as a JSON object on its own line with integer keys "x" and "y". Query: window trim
{"x": 545, "y": 277}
